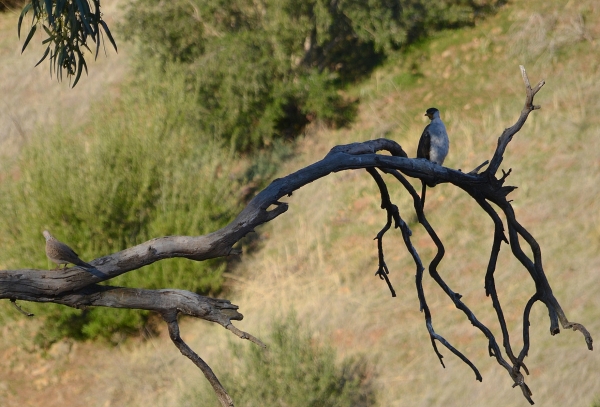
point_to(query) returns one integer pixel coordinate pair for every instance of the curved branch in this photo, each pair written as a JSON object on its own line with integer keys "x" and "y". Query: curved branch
{"x": 490, "y": 285}
{"x": 432, "y": 270}
{"x": 29, "y": 282}
{"x": 392, "y": 212}
{"x": 171, "y": 320}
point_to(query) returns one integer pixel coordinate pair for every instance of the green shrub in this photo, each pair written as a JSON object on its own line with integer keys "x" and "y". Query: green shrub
{"x": 138, "y": 170}
{"x": 296, "y": 371}
{"x": 265, "y": 69}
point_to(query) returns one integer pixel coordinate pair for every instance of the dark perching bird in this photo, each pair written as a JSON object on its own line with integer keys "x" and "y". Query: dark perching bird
{"x": 433, "y": 144}
{"x": 60, "y": 253}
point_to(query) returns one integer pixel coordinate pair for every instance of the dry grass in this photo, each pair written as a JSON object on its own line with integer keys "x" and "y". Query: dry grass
{"x": 319, "y": 258}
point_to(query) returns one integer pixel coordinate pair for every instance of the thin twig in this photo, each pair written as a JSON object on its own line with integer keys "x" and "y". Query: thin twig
{"x": 21, "y": 310}
{"x": 171, "y": 320}
{"x": 245, "y": 335}
{"x": 508, "y": 133}
{"x": 475, "y": 170}
{"x": 392, "y": 213}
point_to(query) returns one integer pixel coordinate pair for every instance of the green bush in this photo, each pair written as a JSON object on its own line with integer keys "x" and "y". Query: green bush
{"x": 138, "y": 170}
{"x": 266, "y": 68}
{"x": 296, "y": 371}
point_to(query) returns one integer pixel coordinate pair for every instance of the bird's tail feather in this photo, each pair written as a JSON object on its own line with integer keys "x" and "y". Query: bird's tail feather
{"x": 82, "y": 263}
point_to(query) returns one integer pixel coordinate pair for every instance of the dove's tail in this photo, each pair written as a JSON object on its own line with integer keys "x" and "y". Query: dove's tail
{"x": 83, "y": 264}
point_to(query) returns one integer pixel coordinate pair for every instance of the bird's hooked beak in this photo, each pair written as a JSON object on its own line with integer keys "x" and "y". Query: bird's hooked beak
{"x": 428, "y": 115}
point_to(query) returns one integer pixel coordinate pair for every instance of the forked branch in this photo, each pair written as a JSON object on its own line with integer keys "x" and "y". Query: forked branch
{"x": 77, "y": 287}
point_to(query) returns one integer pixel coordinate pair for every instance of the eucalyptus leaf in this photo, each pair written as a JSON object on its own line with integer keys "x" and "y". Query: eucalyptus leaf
{"x": 49, "y": 11}
{"x": 61, "y": 57}
{"x": 84, "y": 15}
{"x": 73, "y": 24}
{"x": 54, "y": 58}
{"x": 29, "y": 37}
{"x": 109, "y": 35}
{"x": 50, "y": 34}
{"x": 43, "y": 57}
{"x": 60, "y": 4}
{"x": 23, "y": 13}
{"x": 97, "y": 47}
{"x": 80, "y": 69}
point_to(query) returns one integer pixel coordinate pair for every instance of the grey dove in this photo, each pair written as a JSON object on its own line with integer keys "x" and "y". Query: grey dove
{"x": 433, "y": 144}
{"x": 60, "y": 253}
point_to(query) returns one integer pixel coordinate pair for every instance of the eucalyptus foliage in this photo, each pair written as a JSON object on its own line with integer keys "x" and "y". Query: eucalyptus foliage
{"x": 69, "y": 25}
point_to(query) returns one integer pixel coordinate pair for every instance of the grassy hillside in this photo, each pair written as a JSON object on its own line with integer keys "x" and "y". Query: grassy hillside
{"x": 319, "y": 258}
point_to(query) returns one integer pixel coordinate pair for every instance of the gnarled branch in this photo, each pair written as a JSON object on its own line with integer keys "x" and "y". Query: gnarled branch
{"x": 77, "y": 287}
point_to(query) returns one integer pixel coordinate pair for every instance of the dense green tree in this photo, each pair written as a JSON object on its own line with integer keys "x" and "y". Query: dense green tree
{"x": 266, "y": 68}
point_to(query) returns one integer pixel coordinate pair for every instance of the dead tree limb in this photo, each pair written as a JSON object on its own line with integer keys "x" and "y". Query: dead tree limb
{"x": 76, "y": 287}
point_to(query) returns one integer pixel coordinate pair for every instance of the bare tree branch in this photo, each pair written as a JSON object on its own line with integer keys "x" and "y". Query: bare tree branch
{"x": 508, "y": 133}
{"x": 392, "y": 212}
{"x": 76, "y": 287}
{"x": 418, "y": 204}
{"x": 171, "y": 320}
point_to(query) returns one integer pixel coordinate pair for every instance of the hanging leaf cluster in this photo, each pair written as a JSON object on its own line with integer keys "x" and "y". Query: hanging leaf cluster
{"x": 69, "y": 25}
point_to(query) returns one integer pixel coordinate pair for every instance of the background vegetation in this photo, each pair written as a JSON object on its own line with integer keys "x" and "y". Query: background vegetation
{"x": 294, "y": 371}
{"x": 266, "y": 68}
